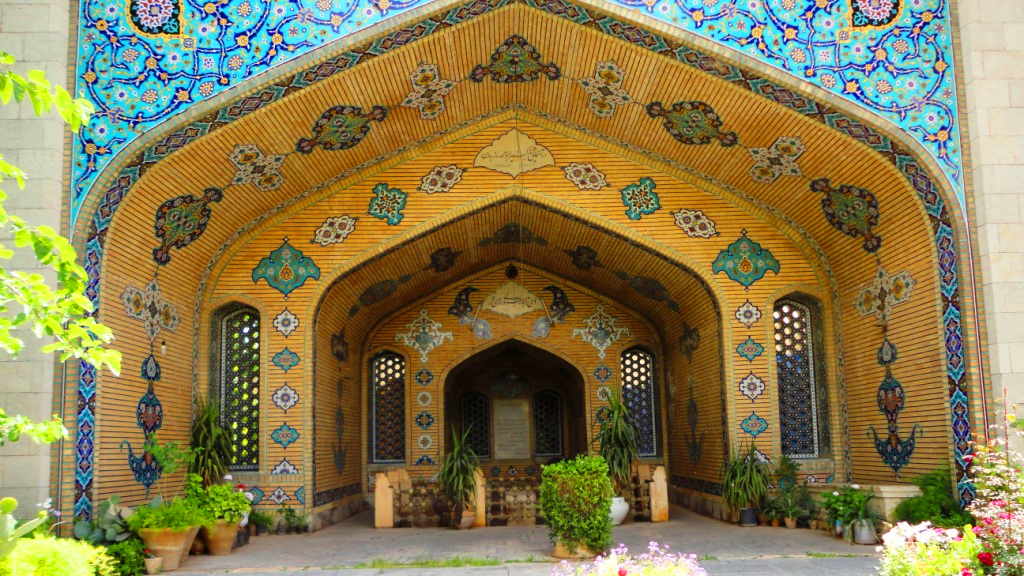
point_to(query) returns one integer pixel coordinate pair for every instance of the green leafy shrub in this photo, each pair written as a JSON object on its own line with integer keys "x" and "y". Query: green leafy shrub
{"x": 575, "y": 500}
{"x": 11, "y": 530}
{"x": 128, "y": 557}
{"x": 218, "y": 501}
{"x": 936, "y": 504}
{"x": 178, "y": 515}
{"x": 48, "y": 556}
{"x": 108, "y": 525}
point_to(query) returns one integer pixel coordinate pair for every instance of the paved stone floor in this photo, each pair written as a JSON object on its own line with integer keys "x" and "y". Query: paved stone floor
{"x": 525, "y": 550}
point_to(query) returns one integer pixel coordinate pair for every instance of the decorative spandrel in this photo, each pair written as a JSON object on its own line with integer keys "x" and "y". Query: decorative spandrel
{"x": 240, "y": 385}
{"x": 387, "y": 396}
{"x": 638, "y": 395}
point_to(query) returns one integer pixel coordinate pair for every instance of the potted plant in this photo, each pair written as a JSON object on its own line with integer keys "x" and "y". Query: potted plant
{"x": 861, "y": 518}
{"x": 165, "y": 528}
{"x": 771, "y": 511}
{"x": 786, "y": 471}
{"x": 212, "y": 444}
{"x": 575, "y": 497}
{"x": 456, "y": 479}
{"x": 288, "y": 520}
{"x": 617, "y": 444}
{"x": 153, "y": 562}
{"x": 792, "y": 504}
{"x": 225, "y": 507}
{"x": 261, "y": 521}
{"x": 745, "y": 484}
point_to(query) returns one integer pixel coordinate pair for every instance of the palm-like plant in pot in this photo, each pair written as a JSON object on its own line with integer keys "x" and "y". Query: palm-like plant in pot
{"x": 745, "y": 484}
{"x": 617, "y": 444}
{"x": 456, "y": 479}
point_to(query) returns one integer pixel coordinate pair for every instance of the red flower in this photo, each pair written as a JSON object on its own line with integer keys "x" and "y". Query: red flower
{"x": 985, "y": 558}
{"x": 622, "y": 572}
{"x": 240, "y": 486}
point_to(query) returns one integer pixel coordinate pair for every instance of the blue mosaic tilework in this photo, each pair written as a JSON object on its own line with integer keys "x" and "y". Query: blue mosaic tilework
{"x": 139, "y": 74}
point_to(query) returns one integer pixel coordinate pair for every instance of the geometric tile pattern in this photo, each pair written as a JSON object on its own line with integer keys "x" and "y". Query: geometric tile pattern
{"x": 423, "y": 336}
{"x": 600, "y": 331}
{"x": 851, "y": 210}
{"x": 256, "y": 168}
{"x": 884, "y": 293}
{"x": 428, "y": 91}
{"x": 777, "y": 160}
{"x": 149, "y": 306}
{"x": 640, "y": 199}
{"x": 159, "y": 18}
{"x": 182, "y": 220}
{"x": 334, "y": 230}
{"x": 605, "y": 89}
{"x": 695, "y": 223}
{"x": 694, "y": 123}
{"x": 638, "y": 386}
{"x": 516, "y": 60}
{"x": 798, "y": 405}
{"x": 387, "y": 409}
{"x": 387, "y": 204}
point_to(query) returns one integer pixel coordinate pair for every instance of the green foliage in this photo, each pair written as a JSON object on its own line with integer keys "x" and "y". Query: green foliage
{"x": 575, "y": 501}
{"x": 12, "y": 428}
{"x": 745, "y": 480}
{"x": 128, "y": 557}
{"x": 171, "y": 457}
{"x": 793, "y": 501}
{"x": 936, "y": 504}
{"x": 180, "y": 514}
{"x": 289, "y": 516}
{"x": 108, "y": 525}
{"x": 456, "y": 474}
{"x": 218, "y": 501}
{"x": 260, "y": 519}
{"x": 617, "y": 444}
{"x": 212, "y": 442}
{"x": 48, "y": 556}
{"x": 786, "y": 470}
{"x": 924, "y": 551}
{"x": 11, "y": 530}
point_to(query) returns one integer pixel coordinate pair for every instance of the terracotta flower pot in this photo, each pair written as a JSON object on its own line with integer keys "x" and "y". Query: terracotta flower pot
{"x": 775, "y": 522}
{"x": 468, "y": 519}
{"x": 220, "y": 537}
{"x": 165, "y": 543}
{"x": 188, "y": 543}
{"x": 153, "y": 565}
{"x": 790, "y": 523}
{"x": 582, "y": 552}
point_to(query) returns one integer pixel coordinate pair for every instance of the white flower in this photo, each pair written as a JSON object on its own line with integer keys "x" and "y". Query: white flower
{"x": 228, "y": 477}
{"x": 855, "y": 486}
{"x": 835, "y": 493}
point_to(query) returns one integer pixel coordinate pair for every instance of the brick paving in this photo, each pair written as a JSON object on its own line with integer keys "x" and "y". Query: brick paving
{"x": 729, "y": 550}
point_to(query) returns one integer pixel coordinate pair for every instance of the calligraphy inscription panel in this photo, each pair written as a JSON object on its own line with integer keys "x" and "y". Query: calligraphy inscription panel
{"x": 511, "y": 429}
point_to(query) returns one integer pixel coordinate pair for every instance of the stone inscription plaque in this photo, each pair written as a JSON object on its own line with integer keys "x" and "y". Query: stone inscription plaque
{"x": 511, "y": 429}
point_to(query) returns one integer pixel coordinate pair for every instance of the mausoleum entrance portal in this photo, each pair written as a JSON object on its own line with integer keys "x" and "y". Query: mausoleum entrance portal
{"x": 520, "y": 406}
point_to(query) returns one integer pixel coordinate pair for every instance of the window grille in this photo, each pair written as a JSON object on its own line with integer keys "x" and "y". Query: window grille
{"x": 387, "y": 396}
{"x": 794, "y": 357}
{"x": 240, "y": 385}
{"x": 547, "y": 423}
{"x": 638, "y": 395}
{"x": 476, "y": 417}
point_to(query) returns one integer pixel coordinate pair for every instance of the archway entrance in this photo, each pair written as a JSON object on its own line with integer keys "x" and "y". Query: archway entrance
{"x": 521, "y": 405}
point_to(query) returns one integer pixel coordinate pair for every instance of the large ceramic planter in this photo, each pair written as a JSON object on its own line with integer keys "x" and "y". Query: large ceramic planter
{"x": 188, "y": 543}
{"x": 220, "y": 537}
{"x": 582, "y": 552}
{"x": 468, "y": 519}
{"x": 165, "y": 543}
{"x": 618, "y": 510}
{"x": 864, "y": 532}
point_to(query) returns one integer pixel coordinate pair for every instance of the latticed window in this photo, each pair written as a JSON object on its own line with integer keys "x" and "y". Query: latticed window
{"x": 798, "y": 390}
{"x": 387, "y": 410}
{"x": 547, "y": 423}
{"x": 476, "y": 417}
{"x": 638, "y": 396}
{"x": 240, "y": 384}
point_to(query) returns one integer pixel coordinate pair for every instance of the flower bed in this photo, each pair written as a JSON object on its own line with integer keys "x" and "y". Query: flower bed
{"x": 657, "y": 561}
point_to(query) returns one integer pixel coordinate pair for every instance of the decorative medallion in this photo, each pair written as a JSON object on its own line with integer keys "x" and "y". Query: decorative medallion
{"x": 285, "y": 435}
{"x": 602, "y": 373}
{"x": 424, "y": 398}
{"x": 495, "y": 471}
{"x": 377, "y": 293}
{"x": 145, "y": 469}
{"x": 256, "y": 168}
{"x": 851, "y": 210}
{"x": 584, "y": 258}
{"x": 600, "y": 331}
{"x": 603, "y": 393}
{"x": 428, "y": 91}
{"x": 884, "y": 293}
{"x": 649, "y": 288}
{"x": 286, "y": 323}
{"x": 509, "y": 384}
{"x": 150, "y": 369}
{"x": 424, "y": 420}
{"x": 778, "y": 160}
{"x": 156, "y": 18}
{"x": 748, "y": 314}
{"x": 286, "y": 269}
{"x": 602, "y": 414}
{"x": 689, "y": 342}
{"x": 182, "y": 220}
{"x": 278, "y": 496}
{"x": 442, "y": 260}
{"x": 424, "y": 461}
{"x": 694, "y": 123}
{"x": 513, "y": 300}
{"x": 284, "y": 467}
{"x": 887, "y": 353}
{"x": 541, "y": 327}
{"x": 874, "y": 14}
{"x": 560, "y": 306}
{"x": 300, "y": 494}
{"x": 334, "y": 230}
{"x": 149, "y": 306}
{"x": 513, "y": 153}
{"x": 285, "y": 398}
{"x": 339, "y": 347}
{"x": 584, "y": 176}
{"x": 751, "y": 386}
{"x": 894, "y": 450}
{"x": 695, "y": 223}
{"x": 462, "y": 308}
{"x": 149, "y": 413}
{"x": 424, "y": 377}
{"x": 425, "y": 442}
{"x": 257, "y": 495}
{"x": 640, "y": 199}
{"x": 761, "y": 457}
{"x": 754, "y": 425}
{"x": 340, "y": 128}
{"x": 387, "y": 204}
{"x": 513, "y": 233}
{"x": 605, "y": 89}
{"x": 423, "y": 336}
{"x": 286, "y": 359}
{"x": 515, "y": 61}
{"x": 745, "y": 261}
{"x": 513, "y": 471}
{"x": 441, "y": 179}
{"x": 749, "y": 349}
